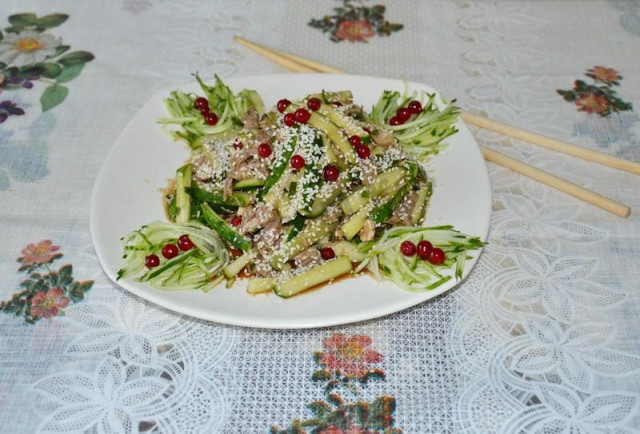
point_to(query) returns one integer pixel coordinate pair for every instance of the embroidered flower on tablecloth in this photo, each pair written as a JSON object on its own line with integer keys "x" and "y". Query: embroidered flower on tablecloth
{"x": 46, "y": 292}
{"x": 347, "y": 362}
{"x": 27, "y": 47}
{"x": 47, "y": 305}
{"x": 351, "y": 357}
{"x": 42, "y": 253}
{"x": 598, "y": 97}
{"x": 355, "y": 23}
{"x": 30, "y": 54}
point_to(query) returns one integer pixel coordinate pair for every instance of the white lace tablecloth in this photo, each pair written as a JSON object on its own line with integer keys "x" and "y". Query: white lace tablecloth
{"x": 543, "y": 337}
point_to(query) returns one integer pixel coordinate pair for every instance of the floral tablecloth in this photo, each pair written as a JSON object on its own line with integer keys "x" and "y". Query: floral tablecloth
{"x": 543, "y": 337}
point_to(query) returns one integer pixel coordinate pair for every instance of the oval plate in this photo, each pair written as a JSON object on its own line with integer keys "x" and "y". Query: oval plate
{"x": 127, "y": 194}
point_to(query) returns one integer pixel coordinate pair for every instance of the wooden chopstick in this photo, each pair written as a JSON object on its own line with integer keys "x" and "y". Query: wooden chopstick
{"x": 301, "y": 64}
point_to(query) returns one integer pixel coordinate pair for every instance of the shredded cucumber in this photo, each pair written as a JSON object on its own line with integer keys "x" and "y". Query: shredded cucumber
{"x": 198, "y": 268}
{"x": 384, "y": 259}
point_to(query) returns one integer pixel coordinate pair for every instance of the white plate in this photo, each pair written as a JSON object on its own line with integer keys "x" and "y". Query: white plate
{"x": 127, "y": 195}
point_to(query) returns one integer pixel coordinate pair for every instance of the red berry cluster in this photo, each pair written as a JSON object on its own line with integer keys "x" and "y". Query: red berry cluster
{"x": 403, "y": 114}
{"x": 300, "y": 116}
{"x": 425, "y": 251}
{"x": 170, "y": 251}
{"x": 202, "y": 105}
{"x": 363, "y": 151}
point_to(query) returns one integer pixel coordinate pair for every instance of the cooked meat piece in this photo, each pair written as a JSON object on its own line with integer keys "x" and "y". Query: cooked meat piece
{"x": 368, "y": 231}
{"x": 239, "y": 156}
{"x": 263, "y": 136}
{"x": 250, "y": 169}
{"x": 382, "y": 137}
{"x": 255, "y": 217}
{"x": 354, "y": 111}
{"x": 226, "y": 188}
{"x": 402, "y": 214}
{"x": 250, "y": 119}
{"x": 332, "y": 214}
{"x": 369, "y": 172}
{"x": 307, "y": 258}
{"x": 268, "y": 238}
{"x": 202, "y": 168}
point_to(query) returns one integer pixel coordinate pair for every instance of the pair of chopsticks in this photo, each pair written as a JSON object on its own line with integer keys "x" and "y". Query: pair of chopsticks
{"x": 300, "y": 64}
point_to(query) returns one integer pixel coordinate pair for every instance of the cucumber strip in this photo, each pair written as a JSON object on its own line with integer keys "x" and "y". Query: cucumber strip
{"x": 420, "y": 207}
{"x": 314, "y": 276}
{"x": 254, "y": 99}
{"x": 348, "y": 249}
{"x": 341, "y": 120}
{"x": 383, "y": 212}
{"x": 183, "y": 199}
{"x": 281, "y": 164}
{"x": 260, "y": 284}
{"x": 322, "y": 201}
{"x": 311, "y": 234}
{"x": 352, "y": 226}
{"x": 296, "y": 227}
{"x": 248, "y": 183}
{"x": 385, "y": 183}
{"x": 334, "y": 134}
{"x": 215, "y": 198}
{"x": 232, "y": 270}
{"x": 172, "y": 208}
{"x": 226, "y": 232}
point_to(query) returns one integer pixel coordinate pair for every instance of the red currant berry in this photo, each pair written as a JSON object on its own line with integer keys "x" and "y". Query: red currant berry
{"x": 152, "y": 261}
{"x": 238, "y": 145}
{"x": 415, "y": 107}
{"x": 283, "y": 104}
{"x": 355, "y": 141}
{"x": 185, "y": 243}
{"x": 170, "y": 251}
{"x": 210, "y": 119}
{"x": 205, "y": 110}
{"x": 327, "y": 253}
{"x": 289, "y": 119}
{"x": 436, "y": 257}
{"x": 408, "y": 248}
{"x": 302, "y": 115}
{"x": 363, "y": 151}
{"x": 403, "y": 114}
{"x": 236, "y": 221}
{"x": 297, "y": 162}
{"x": 336, "y": 104}
{"x": 314, "y": 104}
{"x": 395, "y": 121}
{"x": 424, "y": 250}
{"x": 330, "y": 173}
{"x": 200, "y": 103}
{"x": 264, "y": 150}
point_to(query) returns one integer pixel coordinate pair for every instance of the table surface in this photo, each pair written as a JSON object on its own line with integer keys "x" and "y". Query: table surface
{"x": 542, "y": 337}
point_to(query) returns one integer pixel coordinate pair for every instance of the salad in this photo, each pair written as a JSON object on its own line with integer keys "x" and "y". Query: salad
{"x": 297, "y": 196}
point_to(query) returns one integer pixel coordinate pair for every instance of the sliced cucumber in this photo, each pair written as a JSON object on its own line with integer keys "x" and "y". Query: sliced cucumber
{"x": 352, "y": 226}
{"x": 183, "y": 199}
{"x": 226, "y": 232}
{"x": 248, "y": 183}
{"x": 334, "y": 134}
{"x": 278, "y": 170}
{"x": 384, "y": 211}
{"x": 215, "y": 198}
{"x": 385, "y": 183}
{"x": 311, "y": 234}
{"x": 314, "y": 276}
{"x": 260, "y": 284}
{"x": 348, "y": 249}
{"x": 234, "y": 268}
{"x": 417, "y": 214}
